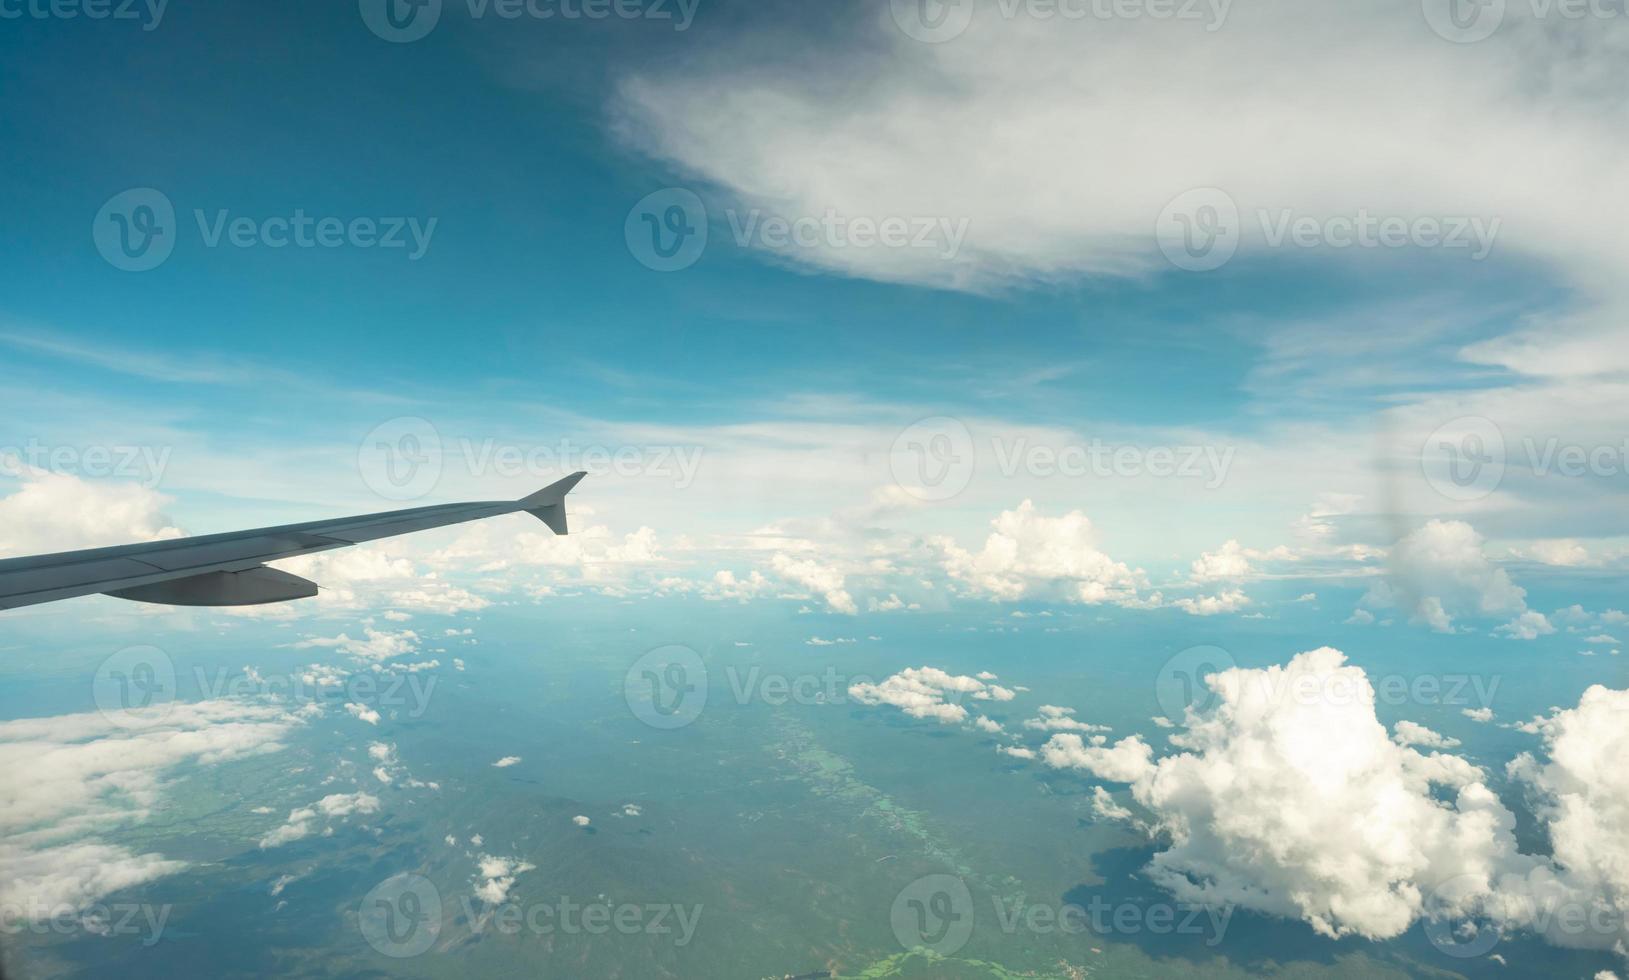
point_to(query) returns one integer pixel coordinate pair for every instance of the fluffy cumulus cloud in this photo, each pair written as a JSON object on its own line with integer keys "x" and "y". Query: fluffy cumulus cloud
{"x": 928, "y": 692}
{"x": 495, "y": 876}
{"x": 1226, "y": 601}
{"x": 374, "y": 645}
{"x": 823, "y": 579}
{"x": 303, "y": 821}
{"x": 1029, "y": 554}
{"x": 375, "y": 576}
{"x": 1292, "y": 799}
{"x": 60, "y": 512}
{"x": 1440, "y": 573}
{"x": 1289, "y": 797}
{"x": 65, "y": 780}
{"x": 1583, "y": 796}
{"x": 1055, "y": 718}
{"x": 1123, "y": 762}
{"x": 1230, "y": 562}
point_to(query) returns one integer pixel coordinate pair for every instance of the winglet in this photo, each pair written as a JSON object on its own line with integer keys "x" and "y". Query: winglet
{"x": 549, "y": 504}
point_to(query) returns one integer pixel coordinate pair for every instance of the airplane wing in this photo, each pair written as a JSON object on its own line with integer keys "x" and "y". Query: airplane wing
{"x": 228, "y": 569}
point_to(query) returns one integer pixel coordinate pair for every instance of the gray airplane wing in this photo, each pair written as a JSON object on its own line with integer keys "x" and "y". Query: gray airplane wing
{"x": 228, "y": 569}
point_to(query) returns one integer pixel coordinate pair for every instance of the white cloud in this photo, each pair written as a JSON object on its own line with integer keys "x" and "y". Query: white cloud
{"x": 821, "y": 578}
{"x": 1444, "y": 134}
{"x": 66, "y": 779}
{"x": 1053, "y": 718}
{"x": 1413, "y": 733}
{"x": 927, "y": 692}
{"x": 1530, "y": 625}
{"x": 376, "y": 645}
{"x": 1288, "y": 797}
{"x": 58, "y": 512}
{"x": 1439, "y": 572}
{"x": 495, "y": 876}
{"x": 1229, "y": 600}
{"x": 373, "y": 576}
{"x": 1583, "y": 793}
{"x": 1030, "y": 555}
{"x": 302, "y": 821}
{"x": 1104, "y": 806}
{"x": 1333, "y": 778}
{"x": 362, "y": 712}
{"x": 1565, "y": 553}
{"x": 1125, "y": 761}
{"x": 1227, "y": 563}
{"x": 73, "y": 876}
